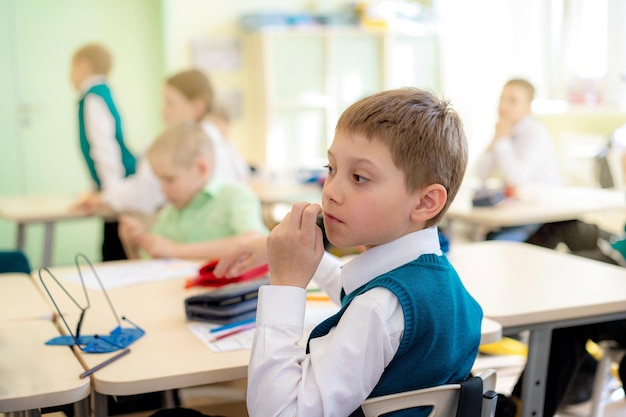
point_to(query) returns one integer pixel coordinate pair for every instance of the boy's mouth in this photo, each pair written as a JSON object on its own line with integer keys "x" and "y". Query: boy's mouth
{"x": 331, "y": 218}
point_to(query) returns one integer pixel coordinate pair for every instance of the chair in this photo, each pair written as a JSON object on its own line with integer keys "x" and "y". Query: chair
{"x": 14, "y": 261}
{"x": 444, "y": 399}
{"x": 609, "y": 354}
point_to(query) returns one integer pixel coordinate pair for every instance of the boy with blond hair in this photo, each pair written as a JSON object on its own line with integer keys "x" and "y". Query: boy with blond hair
{"x": 406, "y": 321}
{"x": 108, "y": 159}
{"x": 205, "y": 217}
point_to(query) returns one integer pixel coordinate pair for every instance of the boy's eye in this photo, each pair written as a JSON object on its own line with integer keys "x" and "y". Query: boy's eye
{"x": 359, "y": 179}
{"x": 331, "y": 170}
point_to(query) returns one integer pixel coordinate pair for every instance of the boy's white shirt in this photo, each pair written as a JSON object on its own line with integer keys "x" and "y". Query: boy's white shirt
{"x": 100, "y": 131}
{"x": 527, "y": 157}
{"x": 141, "y": 192}
{"x": 338, "y": 374}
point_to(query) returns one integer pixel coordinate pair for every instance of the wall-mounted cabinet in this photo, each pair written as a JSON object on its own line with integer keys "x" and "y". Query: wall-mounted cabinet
{"x": 301, "y": 81}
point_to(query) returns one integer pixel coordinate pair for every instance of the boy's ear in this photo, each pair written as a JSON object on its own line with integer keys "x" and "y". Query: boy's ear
{"x": 199, "y": 107}
{"x": 205, "y": 166}
{"x": 431, "y": 200}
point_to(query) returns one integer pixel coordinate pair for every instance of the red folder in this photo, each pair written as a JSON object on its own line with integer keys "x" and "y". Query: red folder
{"x": 206, "y": 278}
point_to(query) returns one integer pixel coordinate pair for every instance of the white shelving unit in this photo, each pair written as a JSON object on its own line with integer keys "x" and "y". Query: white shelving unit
{"x": 302, "y": 79}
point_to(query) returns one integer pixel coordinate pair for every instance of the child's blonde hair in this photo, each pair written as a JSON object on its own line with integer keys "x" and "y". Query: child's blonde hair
{"x": 525, "y": 84}
{"x": 424, "y": 134}
{"x": 97, "y": 56}
{"x": 182, "y": 143}
{"x": 194, "y": 84}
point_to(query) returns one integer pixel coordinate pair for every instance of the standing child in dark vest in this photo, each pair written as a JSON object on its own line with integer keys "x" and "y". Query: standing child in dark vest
{"x": 100, "y": 129}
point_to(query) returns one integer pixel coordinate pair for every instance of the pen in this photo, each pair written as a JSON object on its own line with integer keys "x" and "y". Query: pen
{"x": 231, "y": 325}
{"x": 234, "y": 332}
{"x": 105, "y": 363}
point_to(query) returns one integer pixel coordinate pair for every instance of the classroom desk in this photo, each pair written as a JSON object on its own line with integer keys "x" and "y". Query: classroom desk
{"x": 536, "y": 205}
{"x": 169, "y": 355}
{"x": 275, "y": 194}
{"x": 525, "y": 287}
{"x": 287, "y": 193}
{"x": 27, "y": 210}
{"x": 33, "y": 375}
{"x": 21, "y": 299}
{"x": 490, "y": 332}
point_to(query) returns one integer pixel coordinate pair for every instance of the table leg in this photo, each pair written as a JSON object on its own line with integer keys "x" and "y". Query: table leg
{"x": 100, "y": 405}
{"x": 168, "y": 399}
{"x": 47, "y": 245}
{"x": 82, "y": 407}
{"x": 21, "y": 233}
{"x": 534, "y": 384}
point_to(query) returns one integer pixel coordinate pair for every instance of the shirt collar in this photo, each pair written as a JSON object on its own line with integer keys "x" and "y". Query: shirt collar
{"x": 384, "y": 258}
{"x": 212, "y": 187}
{"x": 521, "y": 124}
{"x": 90, "y": 82}
{"x": 206, "y": 193}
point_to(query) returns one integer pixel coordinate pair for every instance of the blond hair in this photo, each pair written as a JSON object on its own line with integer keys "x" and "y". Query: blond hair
{"x": 182, "y": 144}
{"x": 97, "y": 56}
{"x": 525, "y": 84}
{"x": 194, "y": 84}
{"x": 423, "y": 133}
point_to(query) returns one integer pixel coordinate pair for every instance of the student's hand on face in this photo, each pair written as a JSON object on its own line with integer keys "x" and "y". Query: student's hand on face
{"x": 295, "y": 246}
{"x": 157, "y": 246}
{"x": 503, "y": 129}
{"x": 250, "y": 253}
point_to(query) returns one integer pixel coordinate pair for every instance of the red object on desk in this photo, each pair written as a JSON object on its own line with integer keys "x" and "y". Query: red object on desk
{"x": 206, "y": 278}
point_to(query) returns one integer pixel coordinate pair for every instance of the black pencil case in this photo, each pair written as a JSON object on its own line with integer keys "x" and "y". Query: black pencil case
{"x": 232, "y": 302}
{"x": 487, "y": 197}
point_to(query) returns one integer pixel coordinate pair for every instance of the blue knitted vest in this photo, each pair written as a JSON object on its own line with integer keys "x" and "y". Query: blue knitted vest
{"x": 128, "y": 159}
{"x": 442, "y": 327}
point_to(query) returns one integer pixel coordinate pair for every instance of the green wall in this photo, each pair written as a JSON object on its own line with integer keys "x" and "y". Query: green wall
{"x": 39, "y": 152}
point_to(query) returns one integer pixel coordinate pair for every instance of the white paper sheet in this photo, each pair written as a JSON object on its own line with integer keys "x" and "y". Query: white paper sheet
{"x": 315, "y": 313}
{"x": 116, "y": 275}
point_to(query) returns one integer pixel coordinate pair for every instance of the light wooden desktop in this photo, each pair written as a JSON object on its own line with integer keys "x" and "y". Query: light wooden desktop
{"x": 21, "y": 299}
{"x": 278, "y": 197}
{"x": 524, "y": 287}
{"x": 46, "y": 209}
{"x": 535, "y": 205}
{"x": 169, "y": 355}
{"x": 34, "y": 375}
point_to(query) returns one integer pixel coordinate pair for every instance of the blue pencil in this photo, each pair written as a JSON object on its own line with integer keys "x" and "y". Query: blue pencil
{"x": 232, "y": 325}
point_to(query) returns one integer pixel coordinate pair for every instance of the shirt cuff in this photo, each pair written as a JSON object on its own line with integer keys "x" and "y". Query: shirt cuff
{"x": 281, "y": 305}
{"x": 326, "y": 267}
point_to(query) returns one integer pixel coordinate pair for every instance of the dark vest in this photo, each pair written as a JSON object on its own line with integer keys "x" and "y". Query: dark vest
{"x": 442, "y": 327}
{"x": 128, "y": 159}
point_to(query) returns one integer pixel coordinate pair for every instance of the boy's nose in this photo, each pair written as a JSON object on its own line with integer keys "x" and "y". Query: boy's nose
{"x": 332, "y": 190}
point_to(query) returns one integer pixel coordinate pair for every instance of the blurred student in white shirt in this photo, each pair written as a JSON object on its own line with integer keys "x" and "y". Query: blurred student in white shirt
{"x": 521, "y": 152}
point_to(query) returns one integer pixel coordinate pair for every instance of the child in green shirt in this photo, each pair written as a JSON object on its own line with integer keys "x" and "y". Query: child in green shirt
{"x": 205, "y": 218}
